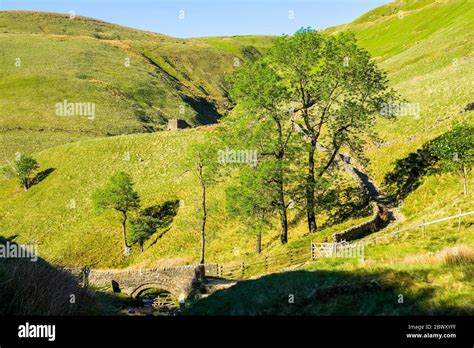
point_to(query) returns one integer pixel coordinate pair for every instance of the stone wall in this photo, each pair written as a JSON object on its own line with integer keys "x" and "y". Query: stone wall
{"x": 379, "y": 218}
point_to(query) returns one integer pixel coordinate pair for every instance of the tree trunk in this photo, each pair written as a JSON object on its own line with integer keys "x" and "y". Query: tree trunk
{"x": 124, "y": 230}
{"x": 282, "y": 212}
{"x": 204, "y": 213}
{"x": 25, "y": 184}
{"x": 284, "y": 226}
{"x": 310, "y": 205}
{"x": 259, "y": 242}
{"x": 282, "y": 205}
{"x": 464, "y": 176}
{"x": 281, "y": 186}
{"x": 141, "y": 246}
{"x": 202, "y": 271}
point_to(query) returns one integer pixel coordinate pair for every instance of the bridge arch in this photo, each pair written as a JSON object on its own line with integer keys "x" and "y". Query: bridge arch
{"x": 179, "y": 293}
{"x": 180, "y": 281}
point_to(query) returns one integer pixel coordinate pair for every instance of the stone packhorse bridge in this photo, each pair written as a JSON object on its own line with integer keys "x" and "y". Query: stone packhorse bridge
{"x": 181, "y": 281}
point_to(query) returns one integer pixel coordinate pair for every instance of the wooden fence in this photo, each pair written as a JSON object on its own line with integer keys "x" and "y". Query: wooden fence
{"x": 264, "y": 264}
{"x": 336, "y": 249}
{"x": 272, "y": 263}
{"x": 421, "y": 227}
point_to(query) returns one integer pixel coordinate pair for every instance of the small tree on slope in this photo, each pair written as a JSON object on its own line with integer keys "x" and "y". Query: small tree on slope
{"x": 455, "y": 152}
{"x": 23, "y": 168}
{"x": 118, "y": 194}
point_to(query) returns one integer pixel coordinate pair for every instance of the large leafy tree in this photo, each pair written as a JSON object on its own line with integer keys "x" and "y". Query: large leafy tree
{"x": 454, "y": 152}
{"x": 118, "y": 194}
{"x": 261, "y": 122}
{"x": 335, "y": 90}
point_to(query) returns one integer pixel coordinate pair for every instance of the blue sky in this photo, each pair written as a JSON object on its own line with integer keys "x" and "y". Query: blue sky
{"x": 209, "y": 17}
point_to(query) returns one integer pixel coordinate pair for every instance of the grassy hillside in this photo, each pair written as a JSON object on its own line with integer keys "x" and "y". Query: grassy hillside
{"x": 433, "y": 273}
{"x": 82, "y": 235}
{"x": 427, "y": 52}
{"x": 163, "y": 169}
{"x": 137, "y": 80}
{"x": 427, "y": 49}
{"x": 440, "y": 284}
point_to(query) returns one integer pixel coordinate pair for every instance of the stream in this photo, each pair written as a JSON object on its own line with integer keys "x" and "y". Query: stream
{"x": 151, "y": 303}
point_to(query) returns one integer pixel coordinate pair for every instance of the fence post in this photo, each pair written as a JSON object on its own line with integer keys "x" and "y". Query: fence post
{"x": 459, "y": 220}
{"x": 242, "y": 266}
{"x": 312, "y": 251}
{"x": 266, "y": 264}
{"x": 423, "y": 229}
{"x": 85, "y": 276}
{"x": 291, "y": 257}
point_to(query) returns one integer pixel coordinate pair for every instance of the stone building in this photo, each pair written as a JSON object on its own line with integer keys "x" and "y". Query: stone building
{"x": 175, "y": 124}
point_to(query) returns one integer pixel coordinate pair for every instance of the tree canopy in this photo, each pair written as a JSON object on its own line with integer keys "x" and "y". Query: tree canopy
{"x": 118, "y": 194}
{"x": 300, "y": 105}
{"x": 454, "y": 152}
{"x": 23, "y": 168}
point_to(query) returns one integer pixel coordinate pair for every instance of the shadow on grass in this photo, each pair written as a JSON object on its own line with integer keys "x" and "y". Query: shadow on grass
{"x": 408, "y": 173}
{"x": 37, "y": 288}
{"x": 164, "y": 215}
{"x": 206, "y": 111}
{"x": 351, "y": 203}
{"x": 42, "y": 175}
{"x": 326, "y": 292}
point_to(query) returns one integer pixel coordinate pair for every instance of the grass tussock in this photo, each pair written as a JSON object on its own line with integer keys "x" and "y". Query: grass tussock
{"x": 462, "y": 255}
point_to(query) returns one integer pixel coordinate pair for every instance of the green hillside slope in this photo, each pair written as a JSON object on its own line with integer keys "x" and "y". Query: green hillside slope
{"x": 136, "y": 80}
{"x": 58, "y": 212}
{"x": 427, "y": 49}
{"x": 427, "y": 52}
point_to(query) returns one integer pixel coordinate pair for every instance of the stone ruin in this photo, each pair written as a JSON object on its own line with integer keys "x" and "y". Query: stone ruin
{"x": 176, "y": 123}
